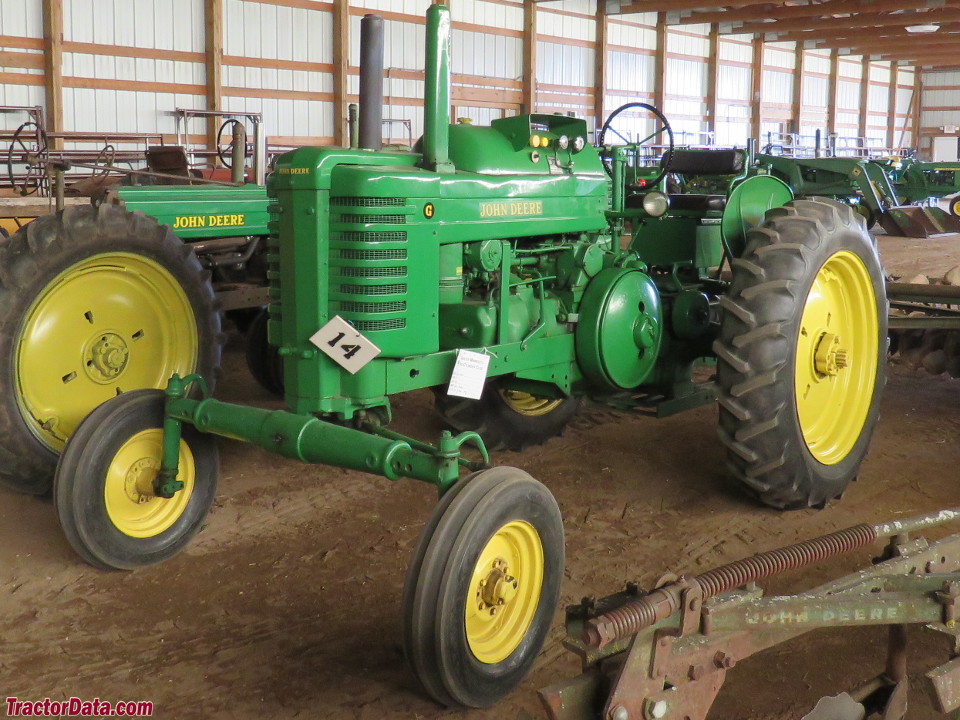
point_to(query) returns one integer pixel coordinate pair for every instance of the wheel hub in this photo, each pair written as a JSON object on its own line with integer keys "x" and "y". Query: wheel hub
{"x": 105, "y": 357}
{"x": 496, "y": 589}
{"x": 138, "y": 483}
{"x": 830, "y": 358}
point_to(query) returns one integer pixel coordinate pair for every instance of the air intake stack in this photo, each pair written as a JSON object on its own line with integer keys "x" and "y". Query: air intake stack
{"x": 436, "y": 100}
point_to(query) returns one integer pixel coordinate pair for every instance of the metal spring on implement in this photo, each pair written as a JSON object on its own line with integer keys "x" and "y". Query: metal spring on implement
{"x": 660, "y": 604}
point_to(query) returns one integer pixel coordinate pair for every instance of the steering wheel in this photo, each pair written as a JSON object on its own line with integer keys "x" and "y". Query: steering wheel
{"x": 660, "y": 127}
{"x": 29, "y": 149}
{"x": 225, "y": 149}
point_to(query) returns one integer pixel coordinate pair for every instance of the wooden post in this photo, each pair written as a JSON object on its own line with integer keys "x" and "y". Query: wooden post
{"x": 796, "y": 101}
{"x": 52, "y": 68}
{"x": 213, "y": 17}
{"x": 600, "y": 66}
{"x": 917, "y": 102}
{"x": 713, "y": 72}
{"x": 660, "y": 63}
{"x": 529, "y": 84}
{"x": 864, "y": 98}
{"x": 341, "y": 50}
{"x": 832, "y": 92}
{"x": 756, "y": 117}
{"x": 892, "y": 104}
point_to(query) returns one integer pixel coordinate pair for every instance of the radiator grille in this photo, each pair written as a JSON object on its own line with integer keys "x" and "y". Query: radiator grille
{"x": 372, "y": 255}
{"x": 363, "y": 307}
{"x": 373, "y": 272}
{"x": 371, "y": 237}
{"x": 350, "y": 219}
{"x": 368, "y": 326}
{"x": 364, "y": 260}
{"x": 367, "y": 202}
{"x": 373, "y": 289}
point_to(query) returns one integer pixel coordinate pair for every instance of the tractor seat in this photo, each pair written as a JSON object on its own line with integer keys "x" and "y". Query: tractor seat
{"x": 707, "y": 162}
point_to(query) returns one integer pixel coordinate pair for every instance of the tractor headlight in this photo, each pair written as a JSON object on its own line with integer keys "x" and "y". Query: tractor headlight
{"x": 563, "y": 142}
{"x": 655, "y": 203}
{"x": 579, "y": 143}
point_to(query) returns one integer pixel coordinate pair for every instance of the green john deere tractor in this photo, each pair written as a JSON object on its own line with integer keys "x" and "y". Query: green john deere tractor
{"x": 100, "y": 299}
{"x": 521, "y": 261}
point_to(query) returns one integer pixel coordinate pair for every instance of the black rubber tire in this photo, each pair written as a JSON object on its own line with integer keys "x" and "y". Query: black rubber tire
{"x": 78, "y": 489}
{"x": 955, "y": 207}
{"x": 500, "y": 426}
{"x": 263, "y": 360}
{"x": 37, "y": 254}
{"x": 439, "y": 578}
{"x": 756, "y": 353}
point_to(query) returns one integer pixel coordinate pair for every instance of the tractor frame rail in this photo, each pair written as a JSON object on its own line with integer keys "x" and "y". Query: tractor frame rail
{"x": 665, "y": 653}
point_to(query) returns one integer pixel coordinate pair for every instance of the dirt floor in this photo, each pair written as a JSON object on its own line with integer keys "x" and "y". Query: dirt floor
{"x": 287, "y": 603}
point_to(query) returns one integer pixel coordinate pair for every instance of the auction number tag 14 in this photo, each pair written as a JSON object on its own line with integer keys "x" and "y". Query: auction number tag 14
{"x": 344, "y": 345}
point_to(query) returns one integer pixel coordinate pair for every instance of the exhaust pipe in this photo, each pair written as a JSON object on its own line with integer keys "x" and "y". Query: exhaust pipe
{"x": 436, "y": 97}
{"x": 371, "y": 82}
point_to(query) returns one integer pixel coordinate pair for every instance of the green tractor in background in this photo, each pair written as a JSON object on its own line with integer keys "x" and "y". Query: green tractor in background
{"x": 518, "y": 263}
{"x": 117, "y": 295}
{"x": 918, "y": 182}
{"x": 886, "y": 192}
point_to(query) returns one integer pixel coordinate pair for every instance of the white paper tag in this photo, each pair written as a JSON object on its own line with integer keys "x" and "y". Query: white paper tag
{"x": 469, "y": 374}
{"x": 344, "y": 344}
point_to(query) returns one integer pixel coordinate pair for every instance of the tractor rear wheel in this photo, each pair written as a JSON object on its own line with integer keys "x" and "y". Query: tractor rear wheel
{"x": 801, "y": 353}
{"x": 263, "y": 359}
{"x": 94, "y": 301}
{"x": 507, "y": 419}
{"x": 104, "y": 487}
{"x": 482, "y": 587}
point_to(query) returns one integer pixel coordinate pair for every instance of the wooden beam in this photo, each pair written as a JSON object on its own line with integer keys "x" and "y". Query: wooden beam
{"x": 529, "y": 88}
{"x": 600, "y": 67}
{"x": 832, "y": 92}
{"x": 660, "y": 63}
{"x": 658, "y": 6}
{"x": 784, "y": 12}
{"x": 53, "y": 68}
{"x": 213, "y": 64}
{"x": 916, "y": 102}
{"x": 892, "y": 105}
{"x": 756, "y": 83}
{"x": 818, "y": 24}
{"x": 864, "y": 98}
{"x": 796, "y": 100}
{"x": 713, "y": 71}
{"x": 341, "y": 71}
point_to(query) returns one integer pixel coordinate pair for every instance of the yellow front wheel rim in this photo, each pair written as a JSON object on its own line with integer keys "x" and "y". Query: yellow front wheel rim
{"x": 527, "y": 404}
{"x": 504, "y": 592}
{"x": 955, "y": 207}
{"x": 837, "y": 355}
{"x": 132, "y": 506}
{"x": 112, "y": 323}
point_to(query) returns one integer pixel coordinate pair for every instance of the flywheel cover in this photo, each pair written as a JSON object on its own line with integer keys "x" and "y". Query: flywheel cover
{"x": 620, "y": 330}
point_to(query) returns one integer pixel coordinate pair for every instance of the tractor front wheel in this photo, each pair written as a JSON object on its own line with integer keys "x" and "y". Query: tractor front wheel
{"x": 104, "y": 486}
{"x": 94, "y": 301}
{"x": 505, "y": 418}
{"x": 801, "y": 353}
{"x": 482, "y": 587}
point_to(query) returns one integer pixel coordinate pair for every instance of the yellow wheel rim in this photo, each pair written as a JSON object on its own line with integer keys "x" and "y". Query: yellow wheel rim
{"x": 955, "y": 207}
{"x": 131, "y": 504}
{"x": 836, "y": 364}
{"x": 504, "y": 592}
{"x": 112, "y": 323}
{"x": 530, "y": 405}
